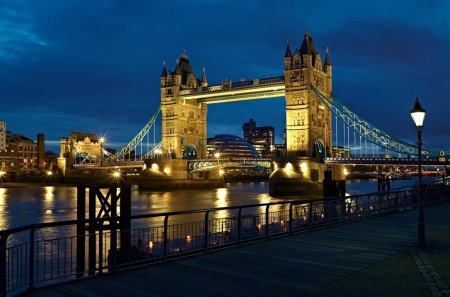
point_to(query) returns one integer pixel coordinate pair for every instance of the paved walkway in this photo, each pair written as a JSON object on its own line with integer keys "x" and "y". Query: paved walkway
{"x": 372, "y": 257}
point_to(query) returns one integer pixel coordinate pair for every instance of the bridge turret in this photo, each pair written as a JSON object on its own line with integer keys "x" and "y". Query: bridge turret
{"x": 328, "y": 69}
{"x": 164, "y": 75}
{"x": 308, "y": 51}
{"x": 288, "y": 57}
{"x": 177, "y": 74}
{"x": 308, "y": 123}
{"x": 204, "y": 81}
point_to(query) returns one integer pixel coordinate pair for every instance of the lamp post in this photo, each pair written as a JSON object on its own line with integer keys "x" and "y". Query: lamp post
{"x": 102, "y": 143}
{"x": 418, "y": 116}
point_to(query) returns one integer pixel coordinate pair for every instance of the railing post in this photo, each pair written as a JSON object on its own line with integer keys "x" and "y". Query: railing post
{"x": 81, "y": 216}
{"x": 404, "y": 200}
{"x": 3, "y": 268}
{"x": 290, "y": 218}
{"x": 31, "y": 251}
{"x": 267, "y": 220}
{"x": 100, "y": 248}
{"x": 206, "y": 230}
{"x": 166, "y": 221}
{"x": 92, "y": 227}
{"x": 239, "y": 224}
{"x": 310, "y": 215}
{"x": 125, "y": 221}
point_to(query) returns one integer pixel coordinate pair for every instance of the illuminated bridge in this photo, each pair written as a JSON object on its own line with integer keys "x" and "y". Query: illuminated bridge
{"x": 320, "y": 129}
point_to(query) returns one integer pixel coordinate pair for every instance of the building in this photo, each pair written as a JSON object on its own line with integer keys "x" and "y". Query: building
{"x": 341, "y": 152}
{"x": 19, "y": 156}
{"x": 308, "y": 121}
{"x": 80, "y": 142}
{"x": 2, "y": 135}
{"x": 262, "y": 138}
{"x": 226, "y": 146}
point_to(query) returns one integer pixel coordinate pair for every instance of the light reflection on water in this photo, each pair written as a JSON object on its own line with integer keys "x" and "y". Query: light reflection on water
{"x": 23, "y": 206}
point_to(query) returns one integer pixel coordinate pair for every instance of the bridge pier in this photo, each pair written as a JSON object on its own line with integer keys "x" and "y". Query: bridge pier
{"x": 301, "y": 176}
{"x": 167, "y": 174}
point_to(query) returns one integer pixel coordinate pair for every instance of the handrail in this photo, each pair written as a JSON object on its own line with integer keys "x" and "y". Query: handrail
{"x": 158, "y": 243}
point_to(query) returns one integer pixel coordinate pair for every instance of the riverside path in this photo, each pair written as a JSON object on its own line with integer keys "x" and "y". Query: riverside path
{"x": 368, "y": 257}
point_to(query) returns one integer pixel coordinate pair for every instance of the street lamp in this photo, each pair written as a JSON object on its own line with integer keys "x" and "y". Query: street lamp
{"x": 418, "y": 115}
{"x": 102, "y": 142}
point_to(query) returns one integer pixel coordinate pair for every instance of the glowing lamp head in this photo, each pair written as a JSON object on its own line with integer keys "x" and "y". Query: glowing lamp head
{"x": 102, "y": 140}
{"x": 49, "y": 173}
{"x": 116, "y": 174}
{"x": 221, "y": 172}
{"x": 2, "y": 173}
{"x": 418, "y": 114}
{"x": 217, "y": 155}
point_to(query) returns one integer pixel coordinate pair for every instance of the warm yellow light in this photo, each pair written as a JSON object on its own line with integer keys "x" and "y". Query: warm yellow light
{"x": 49, "y": 173}
{"x": 188, "y": 237}
{"x": 155, "y": 166}
{"x": 167, "y": 170}
{"x": 304, "y": 167}
{"x": 345, "y": 172}
{"x": 221, "y": 172}
{"x": 102, "y": 140}
{"x": 116, "y": 174}
{"x": 289, "y": 166}
{"x": 150, "y": 244}
{"x": 217, "y": 155}
{"x": 2, "y": 172}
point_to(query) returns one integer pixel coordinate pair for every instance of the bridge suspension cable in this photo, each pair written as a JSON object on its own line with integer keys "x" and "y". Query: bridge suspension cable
{"x": 138, "y": 139}
{"x": 365, "y": 130}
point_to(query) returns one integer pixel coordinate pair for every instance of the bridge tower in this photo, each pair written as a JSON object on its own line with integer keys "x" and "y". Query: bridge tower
{"x": 183, "y": 121}
{"x": 308, "y": 122}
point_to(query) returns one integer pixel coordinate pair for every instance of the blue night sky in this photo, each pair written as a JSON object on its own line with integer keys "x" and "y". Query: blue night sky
{"x": 94, "y": 66}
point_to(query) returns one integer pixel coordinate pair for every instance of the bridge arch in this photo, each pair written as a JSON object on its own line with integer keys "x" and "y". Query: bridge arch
{"x": 189, "y": 152}
{"x": 319, "y": 149}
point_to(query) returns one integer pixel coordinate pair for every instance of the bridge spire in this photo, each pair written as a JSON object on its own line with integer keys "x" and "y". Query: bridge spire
{"x": 288, "y": 53}
{"x": 204, "y": 80}
{"x": 164, "y": 70}
{"x": 327, "y": 58}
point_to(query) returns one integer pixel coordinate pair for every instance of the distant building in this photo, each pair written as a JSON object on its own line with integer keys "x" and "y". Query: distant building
{"x": 2, "y": 135}
{"x": 80, "y": 142}
{"x": 230, "y": 147}
{"x": 19, "y": 156}
{"x": 341, "y": 152}
{"x": 262, "y": 138}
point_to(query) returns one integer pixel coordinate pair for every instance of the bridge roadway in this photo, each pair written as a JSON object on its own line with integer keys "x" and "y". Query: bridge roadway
{"x": 370, "y": 257}
{"x": 434, "y": 161}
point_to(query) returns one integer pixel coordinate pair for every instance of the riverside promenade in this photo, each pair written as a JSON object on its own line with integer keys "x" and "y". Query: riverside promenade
{"x": 371, "y": 257}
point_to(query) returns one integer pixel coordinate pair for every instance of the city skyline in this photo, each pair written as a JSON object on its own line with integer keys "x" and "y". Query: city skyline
{"x": 95, "y": 67}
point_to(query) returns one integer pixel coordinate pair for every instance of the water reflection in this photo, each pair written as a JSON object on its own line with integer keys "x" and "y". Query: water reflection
{"x": 49, "y": 204}
{"x": 3, "y": 209}
{"x": 22, "y": 206}
{"x": 222, "y": 201}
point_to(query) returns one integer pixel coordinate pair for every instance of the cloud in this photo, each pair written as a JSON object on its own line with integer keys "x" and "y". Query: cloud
{"x": 18, "y": 40}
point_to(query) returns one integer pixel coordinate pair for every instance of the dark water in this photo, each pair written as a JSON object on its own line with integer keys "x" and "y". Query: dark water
{"x": 22, "y": 206}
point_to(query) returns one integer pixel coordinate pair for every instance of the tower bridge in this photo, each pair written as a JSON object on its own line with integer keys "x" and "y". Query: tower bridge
{"x": 312, "y": 113}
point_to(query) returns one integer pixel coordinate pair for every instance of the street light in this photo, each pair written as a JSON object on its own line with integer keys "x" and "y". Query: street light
{"x": 102, "y": 142}
{"x": 418, "y": 115}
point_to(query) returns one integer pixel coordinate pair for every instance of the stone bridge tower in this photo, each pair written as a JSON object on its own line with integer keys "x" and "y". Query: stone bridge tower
{"x": 308, "y": 121}
{"x": 183, "y": 121}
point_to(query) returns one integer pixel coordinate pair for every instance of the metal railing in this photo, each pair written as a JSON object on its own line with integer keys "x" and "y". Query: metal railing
{"x": 40, "y": 254}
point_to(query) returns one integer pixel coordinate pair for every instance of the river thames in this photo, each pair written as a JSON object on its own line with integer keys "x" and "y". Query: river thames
{"x": 28, "y": 205}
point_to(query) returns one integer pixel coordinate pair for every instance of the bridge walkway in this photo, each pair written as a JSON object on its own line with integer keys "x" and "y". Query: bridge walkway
{"x": 370, "y": 257}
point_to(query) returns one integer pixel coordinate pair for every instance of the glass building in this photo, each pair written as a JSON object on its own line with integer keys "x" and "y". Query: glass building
{"x": 229, "y": 147}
